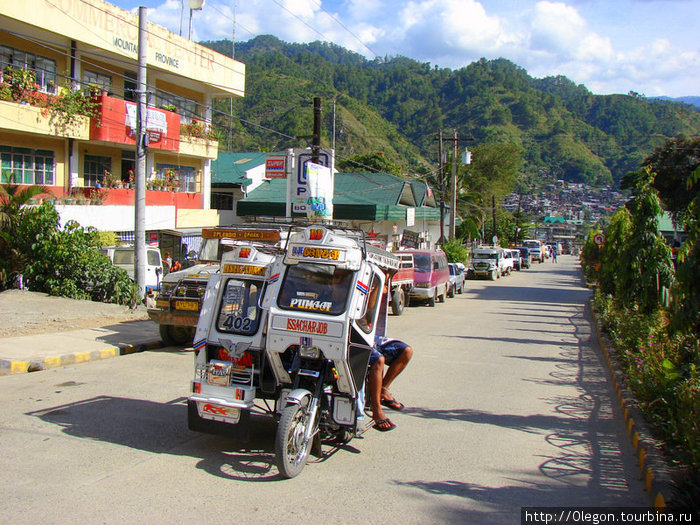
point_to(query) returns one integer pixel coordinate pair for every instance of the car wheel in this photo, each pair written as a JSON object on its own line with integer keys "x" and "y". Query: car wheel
{"x": 451, "y": 292}
{"x": 398, "y": 301}
{"x": 431, "y": 301}
{"x": 494, "y": 275}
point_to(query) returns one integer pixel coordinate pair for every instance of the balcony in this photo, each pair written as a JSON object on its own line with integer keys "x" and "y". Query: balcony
{"x": 26, "y": 118}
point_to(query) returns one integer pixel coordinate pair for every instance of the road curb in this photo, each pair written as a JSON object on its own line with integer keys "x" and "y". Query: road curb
{"x": 654, "y": 470}
{"x": 11, "y": 367}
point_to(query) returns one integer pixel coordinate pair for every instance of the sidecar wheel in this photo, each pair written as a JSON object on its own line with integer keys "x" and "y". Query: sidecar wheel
{"x": 291, "y": 449}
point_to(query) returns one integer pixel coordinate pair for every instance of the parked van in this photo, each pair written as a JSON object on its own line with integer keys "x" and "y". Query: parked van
{"x": 431, "y": 276}
{"x": 123, "y": 257}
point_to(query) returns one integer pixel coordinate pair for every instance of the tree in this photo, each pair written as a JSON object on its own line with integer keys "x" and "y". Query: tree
{"x": 646, "y": 265}
{"x": 13, "y": 197}
{"x": 375, "y": 162}
{"x": 686, "y": 293}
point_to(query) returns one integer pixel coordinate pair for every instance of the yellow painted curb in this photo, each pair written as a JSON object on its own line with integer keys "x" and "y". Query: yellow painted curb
{"x": 658, "y": 500}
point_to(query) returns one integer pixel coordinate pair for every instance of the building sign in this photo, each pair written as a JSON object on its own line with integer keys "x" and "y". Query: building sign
{"x": 302, "y": 199}
{"x": 410, "y": 239}
{"x": 275, "y": 166}
{"x": 156, "y": 122}
{"x": 117, "y": 123}
{"x": 410, "y": 216}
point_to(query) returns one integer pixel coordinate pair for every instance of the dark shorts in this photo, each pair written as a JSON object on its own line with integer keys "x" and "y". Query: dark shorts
{"x": 390, "y": 351}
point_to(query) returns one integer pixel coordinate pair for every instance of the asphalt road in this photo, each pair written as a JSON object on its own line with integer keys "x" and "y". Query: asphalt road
{"x": 507, "y": 405}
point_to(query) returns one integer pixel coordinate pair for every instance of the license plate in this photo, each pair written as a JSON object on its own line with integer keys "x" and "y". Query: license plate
{"x": 218, "y": 373}
{"x": 192, "y": 306}
{"x": 218, "y": 412}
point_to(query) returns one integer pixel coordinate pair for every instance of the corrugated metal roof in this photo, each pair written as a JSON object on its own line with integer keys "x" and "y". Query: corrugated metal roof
{"x": 357, "y": 196}
{"x": 231, "y": 168}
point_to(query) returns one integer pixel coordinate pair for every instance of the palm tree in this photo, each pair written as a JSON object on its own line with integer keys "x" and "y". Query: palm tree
{"x": 12, "y": 197}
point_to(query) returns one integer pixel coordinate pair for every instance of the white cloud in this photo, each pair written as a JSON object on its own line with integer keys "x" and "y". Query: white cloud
{"x": 546, "y": 37}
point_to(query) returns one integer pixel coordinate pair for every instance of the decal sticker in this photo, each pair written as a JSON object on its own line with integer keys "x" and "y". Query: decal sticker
{"x": 200, "y": 344}
{"x": 310, "y": 304}
{"x": 309, "y": 327}
{"x": 216, "y": 410}
{"x": 362, "y": 287}
{"x": 315, "y": 253}
{"x": 304, "y": 341}
{"x": 244, "y": 269}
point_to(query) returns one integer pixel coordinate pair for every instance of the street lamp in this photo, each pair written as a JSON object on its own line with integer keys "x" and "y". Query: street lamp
{"x": 195, "y": 5}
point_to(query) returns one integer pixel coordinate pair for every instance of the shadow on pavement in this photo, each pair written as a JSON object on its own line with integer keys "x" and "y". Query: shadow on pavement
{"x": 161, "y": 428}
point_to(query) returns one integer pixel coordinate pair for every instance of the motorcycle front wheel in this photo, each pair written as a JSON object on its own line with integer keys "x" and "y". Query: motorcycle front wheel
{"x": 291, "y": 449}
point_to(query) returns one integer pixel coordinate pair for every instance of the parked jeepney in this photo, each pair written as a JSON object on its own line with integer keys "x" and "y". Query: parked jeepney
{"x": 179, "y": 302}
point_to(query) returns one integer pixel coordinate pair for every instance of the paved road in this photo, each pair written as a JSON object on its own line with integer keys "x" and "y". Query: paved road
{"x": 508, "y": 405}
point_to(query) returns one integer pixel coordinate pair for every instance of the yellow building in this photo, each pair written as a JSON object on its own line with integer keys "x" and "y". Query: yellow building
{"x": 51, "y": 48}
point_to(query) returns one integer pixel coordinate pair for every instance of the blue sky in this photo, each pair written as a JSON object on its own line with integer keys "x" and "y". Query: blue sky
{"x": 610, "y": 46}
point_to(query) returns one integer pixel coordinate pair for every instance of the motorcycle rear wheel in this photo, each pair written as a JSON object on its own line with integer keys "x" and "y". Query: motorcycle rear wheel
{"x": 291, "y": 449}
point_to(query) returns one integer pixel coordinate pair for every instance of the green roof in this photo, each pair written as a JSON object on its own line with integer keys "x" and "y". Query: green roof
{"x": 230, "y": 169}
{"x": 357, "y": 196}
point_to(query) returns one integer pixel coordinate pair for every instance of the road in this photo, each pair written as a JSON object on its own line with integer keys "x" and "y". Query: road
{"x": 507, "y": 405}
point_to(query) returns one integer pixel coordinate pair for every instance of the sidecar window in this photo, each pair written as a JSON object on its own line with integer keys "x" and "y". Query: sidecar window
{"x": 318, "y": 288}
{"x": 238, "y": 311}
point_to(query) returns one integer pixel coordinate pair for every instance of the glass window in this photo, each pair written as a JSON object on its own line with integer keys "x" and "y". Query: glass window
{"x": 95, "y": 168}
{"x": 317, "y": 288}
{"x": 239, "y": 312}
{"x": 422, "y": 262}
{"x": 187, "y": 108}
{"x": 30, "y": 166}
{"x": 184, "y": 177}
{"x": 97, "y": 79}
{"x": 44, "y": 68}
{"x": 153, "y": 258}
{"x": 367, "y": 322}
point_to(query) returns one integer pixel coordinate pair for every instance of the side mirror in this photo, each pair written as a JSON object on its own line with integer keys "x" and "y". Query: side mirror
{"x": 159, "y": 270}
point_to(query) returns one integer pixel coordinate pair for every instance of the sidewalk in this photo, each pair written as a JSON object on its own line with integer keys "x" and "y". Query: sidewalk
{"x": 31, "y": 353}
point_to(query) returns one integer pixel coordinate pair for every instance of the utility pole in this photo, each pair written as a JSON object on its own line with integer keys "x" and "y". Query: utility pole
{"x": 316, "y": 139}
{"x": 453, "y": 189}
{"x": 493, "y": 215}
{"x": 441, "y": 184}
{"x": 141, "y": 143}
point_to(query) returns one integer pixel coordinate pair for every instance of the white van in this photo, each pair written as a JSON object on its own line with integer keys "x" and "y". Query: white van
{"x": 123, "y": 257}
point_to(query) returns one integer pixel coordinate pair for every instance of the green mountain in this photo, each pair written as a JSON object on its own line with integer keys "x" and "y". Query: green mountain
{"x": 398, "y": 105}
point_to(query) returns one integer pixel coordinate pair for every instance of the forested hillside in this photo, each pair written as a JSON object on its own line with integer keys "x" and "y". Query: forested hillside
{"x": 398, "y": 105}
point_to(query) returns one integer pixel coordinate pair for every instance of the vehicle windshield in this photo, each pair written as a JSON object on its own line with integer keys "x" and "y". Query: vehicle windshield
{"x": 213, "y": 249}
{"x": 238, "y": 311}
{"x": 486, "y": 256}
{"x": 318, "y": 288}
{"x": 422, "y": 262}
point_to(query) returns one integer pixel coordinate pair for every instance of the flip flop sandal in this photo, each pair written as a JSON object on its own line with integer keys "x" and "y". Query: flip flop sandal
{"x": 384, "y": 425}
{"x": 392, "y": 404}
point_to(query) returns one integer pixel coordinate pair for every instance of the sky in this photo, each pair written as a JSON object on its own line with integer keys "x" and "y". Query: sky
{"x": 651, "y": 47}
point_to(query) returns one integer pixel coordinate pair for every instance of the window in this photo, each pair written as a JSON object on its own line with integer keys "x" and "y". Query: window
{"x": 184, "y": 177}
{"x": 186, "y": 107}
{"x": 318, "y": 288}
{"x": 44, "y": 68}
{"x": 95, "y": 169}
{"x": 367, "y": 322}
{"x": 30, "y": 166}
{"x": 97, "y": 79}
{"x": 222, "y": 201}
{"x": 239, "y": 312}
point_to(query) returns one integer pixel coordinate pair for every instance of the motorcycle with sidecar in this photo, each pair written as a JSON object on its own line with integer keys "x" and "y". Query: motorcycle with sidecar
{"x": 323, "y": 302}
